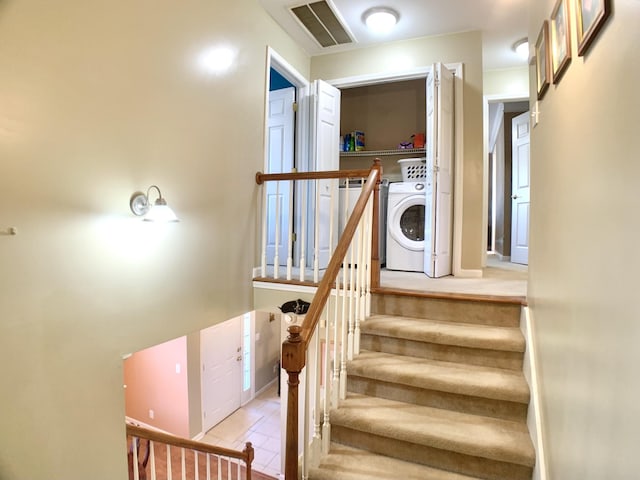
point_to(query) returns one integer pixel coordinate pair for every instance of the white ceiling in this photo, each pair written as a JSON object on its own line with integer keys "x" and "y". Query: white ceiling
{"x": 502, "y": 23}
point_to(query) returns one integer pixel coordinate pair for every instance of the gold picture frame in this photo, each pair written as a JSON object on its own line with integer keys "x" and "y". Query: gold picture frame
{"x": 560, "y": 37}
{"x": 591, "y": 16}
{"x": 543, "y": 66}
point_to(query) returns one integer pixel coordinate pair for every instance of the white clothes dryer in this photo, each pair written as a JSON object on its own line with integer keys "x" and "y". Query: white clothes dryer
{"x": 405, "y": 226}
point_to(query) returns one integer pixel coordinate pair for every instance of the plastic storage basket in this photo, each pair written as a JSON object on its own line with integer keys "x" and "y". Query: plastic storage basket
{"x": 413, "y": 169}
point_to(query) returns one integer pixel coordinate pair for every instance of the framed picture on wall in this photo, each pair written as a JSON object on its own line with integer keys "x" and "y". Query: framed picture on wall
{"x": 542, "y": 60}
{"x": 560, "y": 40}
{"x": 591, "y": 16}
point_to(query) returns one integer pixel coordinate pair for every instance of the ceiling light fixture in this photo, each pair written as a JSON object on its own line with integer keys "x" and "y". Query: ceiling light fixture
{"x": 521, "y": 47}
{"x": 158, "y": 212}
{"x": 380, "y": 19}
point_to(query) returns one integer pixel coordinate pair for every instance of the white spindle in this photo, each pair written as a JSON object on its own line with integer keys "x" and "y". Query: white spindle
{"x": 239, "y": 472}
{"x": 135, "y": 443}
{"x": 265, "y": 216}
{"x": 219, "y": 458}
{"x": 169, "y": 473}
{"x": 317, "y": 438}
{"x": 351, "y": 304}
{"x": 183, "y": 461}
{"x": 195, "y": 459}
{"x": 152, "y": 456}
{"x": 326, "y": 375}
{"x": 335, "y": 385}
{"x": 343, "y": 343}
{"x": 367, "y": 301}
{"x": 277, "y": 224}
{"x": 290, "y": 242}
{"x": 208, "y": 466}
{"x": 316, "y": 237}
{"x": 332, "y": 200}
{"x": 357, "y": 245}
{"x": 303, "y": 229}
{"x": 229, "y": 468}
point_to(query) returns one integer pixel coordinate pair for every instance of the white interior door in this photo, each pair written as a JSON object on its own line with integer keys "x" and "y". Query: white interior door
{"x": 439, "y": 192}
{"x": 280, "y": 138}
{"x": 221, "y": 361}
{"x": 325, "y": 121}
{"x": 520, "y": 184}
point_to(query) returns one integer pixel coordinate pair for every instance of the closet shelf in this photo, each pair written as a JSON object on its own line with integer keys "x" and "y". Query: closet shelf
{"x": 384, "y": 153}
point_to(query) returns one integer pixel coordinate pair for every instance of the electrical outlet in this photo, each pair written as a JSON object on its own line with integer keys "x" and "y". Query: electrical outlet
{"x": 178, "y": 368}
{"x": 152, "y": 414}
{"x": 257, "y": 336}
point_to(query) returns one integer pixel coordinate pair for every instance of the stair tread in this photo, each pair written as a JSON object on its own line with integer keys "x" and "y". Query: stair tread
{"x": 463, "y": 379}
{"x": 347, "y": 463}
{"x": 474, "y": 435}
{"x": 446, "y": 333}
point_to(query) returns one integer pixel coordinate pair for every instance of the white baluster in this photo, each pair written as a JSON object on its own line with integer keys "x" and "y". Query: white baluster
{"x": 335, "y": 385}
{"x": 134, "y": 450}
{"x": 332, "y": 215}
{"x": 277, "y": 224}
{"x": 265, "y": 215}
{"x": 290, "y": 242}
{"x": 317, "y": 439}
{"x": 208, "y": 466}
{"x": 351, "y": 304}
{"x": 326, "y": 423}
{"x": 184, "y": 464}
{"x": 195, "y": 459}
{"x": 316, "y": 237}
{"x": 228, "y": 468}
{"x": 368, "y": 273}
{"x": 219, "y": 458}
{"x": 169, "y": 473}
{"x": 152, "y": 456}
{"x": 239, "y": 470}
{"x": 343, "y": 342}
{"x": 303, "y": 229}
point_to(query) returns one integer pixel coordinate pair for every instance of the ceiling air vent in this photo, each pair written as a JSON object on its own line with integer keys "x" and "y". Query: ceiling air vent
{"x": 323, "y": 25}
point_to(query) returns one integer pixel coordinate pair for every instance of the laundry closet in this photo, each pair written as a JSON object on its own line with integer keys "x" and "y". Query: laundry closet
{"x": 416, "y": 212}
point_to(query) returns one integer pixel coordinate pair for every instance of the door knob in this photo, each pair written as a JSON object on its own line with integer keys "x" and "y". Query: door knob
{"x": 514, "y": 196}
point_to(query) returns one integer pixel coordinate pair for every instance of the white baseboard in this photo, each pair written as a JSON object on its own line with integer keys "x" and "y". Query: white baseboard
{"x": 535, "y": 413}
{"x": 468, "y": 273}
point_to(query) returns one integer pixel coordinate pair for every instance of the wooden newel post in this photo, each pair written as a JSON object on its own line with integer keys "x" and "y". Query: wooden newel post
{"x": 293, "y": 360}
{"x": 375, "y": 226}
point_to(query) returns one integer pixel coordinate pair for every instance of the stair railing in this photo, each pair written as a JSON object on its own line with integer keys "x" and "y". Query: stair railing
{"x": 205, "y": 461}
{"x": 317, "y": 350}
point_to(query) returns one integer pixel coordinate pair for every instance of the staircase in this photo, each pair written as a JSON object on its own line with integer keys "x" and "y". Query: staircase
{"x": 437, "y": 393}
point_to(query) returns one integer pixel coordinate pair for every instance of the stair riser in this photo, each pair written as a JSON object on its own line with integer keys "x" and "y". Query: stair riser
{"x": 488, "y": 407}
{"x": 447, "y": 353}
{"x": 438, "y": 458}
{"x": 476, "y": 312}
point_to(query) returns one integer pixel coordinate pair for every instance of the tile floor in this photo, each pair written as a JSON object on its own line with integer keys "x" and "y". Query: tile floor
{"x": 257, "y": 422}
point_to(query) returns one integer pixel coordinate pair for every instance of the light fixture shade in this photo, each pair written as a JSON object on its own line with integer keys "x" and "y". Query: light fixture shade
{"x": 380, "y": 19}
{"x": 161, "y": 213}
{"x": 521, "y": 47}
{"x": 158, "y": 212}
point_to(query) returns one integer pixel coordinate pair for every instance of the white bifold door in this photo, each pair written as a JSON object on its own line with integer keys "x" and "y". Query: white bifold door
{"x": 280, "y": 148}
{"x": 438, "y": 223}
{"x": 325, "y": 155}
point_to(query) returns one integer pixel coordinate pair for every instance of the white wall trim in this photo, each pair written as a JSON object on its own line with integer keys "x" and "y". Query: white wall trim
{"x": 284, "y": 287}
{"x": 535, "y": 413}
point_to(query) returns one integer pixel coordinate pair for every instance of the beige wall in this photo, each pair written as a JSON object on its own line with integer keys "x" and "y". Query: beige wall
{"x": 584, "y": 258}
{"x": 99, "y": 99}
{"x": 405, "y": 55}
{"x": 506, "y": 81}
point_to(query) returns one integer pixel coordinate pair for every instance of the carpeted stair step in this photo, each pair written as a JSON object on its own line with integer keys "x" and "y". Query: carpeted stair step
{"x": 472, "y": 389}
{"x": 497, "y": 311}
{"x": 347, "y": 463}
{"x": 486, "y": 345}
{"x": 474, "y": 445}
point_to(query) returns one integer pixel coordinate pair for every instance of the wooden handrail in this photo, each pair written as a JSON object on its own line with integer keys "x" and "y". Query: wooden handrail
{"x": 295, "y": 347}
{"x": 246, "y": 455}
{"x": 324, "y": 175}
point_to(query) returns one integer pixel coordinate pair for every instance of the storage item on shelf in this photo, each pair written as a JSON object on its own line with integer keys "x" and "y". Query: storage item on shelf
{"x": 413, "y": 169}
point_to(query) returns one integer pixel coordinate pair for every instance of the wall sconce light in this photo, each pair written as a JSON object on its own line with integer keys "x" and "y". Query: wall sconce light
{"x": 380, "y": 19}
{"x": 158, "y": 212}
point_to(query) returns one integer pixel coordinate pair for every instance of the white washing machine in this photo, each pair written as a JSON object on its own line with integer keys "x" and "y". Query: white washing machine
{"x": 405, "y": 226}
